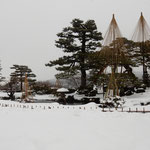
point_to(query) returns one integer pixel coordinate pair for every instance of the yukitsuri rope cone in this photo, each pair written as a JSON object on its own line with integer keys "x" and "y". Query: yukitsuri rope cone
{"x": 111, "y": 35}
{"x": 142, "y": 37}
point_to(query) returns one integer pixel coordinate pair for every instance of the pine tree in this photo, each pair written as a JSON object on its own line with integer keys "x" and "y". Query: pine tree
{"x": 19, "y": 75}
{"x": 123, "y": 58}
{"x": 1, "y": 77}
{"x": 78, "y": 41}
{"x": 142, "y": 57}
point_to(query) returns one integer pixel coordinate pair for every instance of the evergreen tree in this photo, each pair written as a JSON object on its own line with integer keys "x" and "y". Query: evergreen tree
{"x": 78, "y": 41}
{"x": 1, "y": 77}
{"x": 142, "y": 57}
{"x": 19, "y": 75}
{"x": 123, "y": 58}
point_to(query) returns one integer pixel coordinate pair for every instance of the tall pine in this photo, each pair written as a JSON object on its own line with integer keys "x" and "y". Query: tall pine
{"x": 78, "y": 41}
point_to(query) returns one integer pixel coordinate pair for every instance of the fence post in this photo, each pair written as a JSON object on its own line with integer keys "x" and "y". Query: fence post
{"x": 103, "y": 109}
{"x": 143, "y": 110}
{"x": 129, "y": 109}
{"x": 136, "y": 109}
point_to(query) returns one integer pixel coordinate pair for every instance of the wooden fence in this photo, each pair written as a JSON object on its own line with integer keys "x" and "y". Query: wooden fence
{"x": 49, "y": 107}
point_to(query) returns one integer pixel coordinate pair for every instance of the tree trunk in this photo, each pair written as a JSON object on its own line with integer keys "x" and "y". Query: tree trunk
{"x": 21, "y": 82}
{"x": 82, "y": 63}
{"x": 145, "y": 73}
{"x": 83, "y": 78}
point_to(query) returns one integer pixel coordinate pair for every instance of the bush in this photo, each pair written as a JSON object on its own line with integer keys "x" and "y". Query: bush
{"x": 42, "y": 88}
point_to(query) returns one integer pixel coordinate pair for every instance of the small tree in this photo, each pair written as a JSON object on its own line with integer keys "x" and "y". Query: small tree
{"x": 1, "y": 77}
{"x": 11, "y": 89}
{"x": 19, "y": 75}
{"x": 42, "y": 87}
{"x": 78, "y": 40}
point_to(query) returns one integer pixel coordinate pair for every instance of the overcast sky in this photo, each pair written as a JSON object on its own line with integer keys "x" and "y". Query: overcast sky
{"x": 28, "y": 28}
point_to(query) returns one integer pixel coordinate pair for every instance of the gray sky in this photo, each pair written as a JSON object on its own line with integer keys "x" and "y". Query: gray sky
{"x": 28, "y": 28}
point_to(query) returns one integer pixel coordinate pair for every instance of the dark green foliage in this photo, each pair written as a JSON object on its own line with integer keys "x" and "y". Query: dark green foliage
{"x": 19, "y": 75}
{"x": 11, "y": 89}
{"x": 42, "y": 87}
{"x": 78, "y": 41}
{"x": 141, "y": 53}
{"x": 120, "y": 57}
{"x": 126, "y": 80}
{"x": 1, "y": 77}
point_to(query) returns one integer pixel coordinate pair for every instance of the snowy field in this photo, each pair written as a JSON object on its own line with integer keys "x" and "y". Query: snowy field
{"x": 57, "y": 127}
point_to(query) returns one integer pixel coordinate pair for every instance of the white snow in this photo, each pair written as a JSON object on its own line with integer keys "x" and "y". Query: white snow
{"x": 37, "y": 127}
{"x": 62, "y": 90}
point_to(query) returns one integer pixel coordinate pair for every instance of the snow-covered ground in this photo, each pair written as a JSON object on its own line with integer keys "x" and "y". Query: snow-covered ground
{"x": 52, "y": 126}
{"x": 135, "y": 100}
